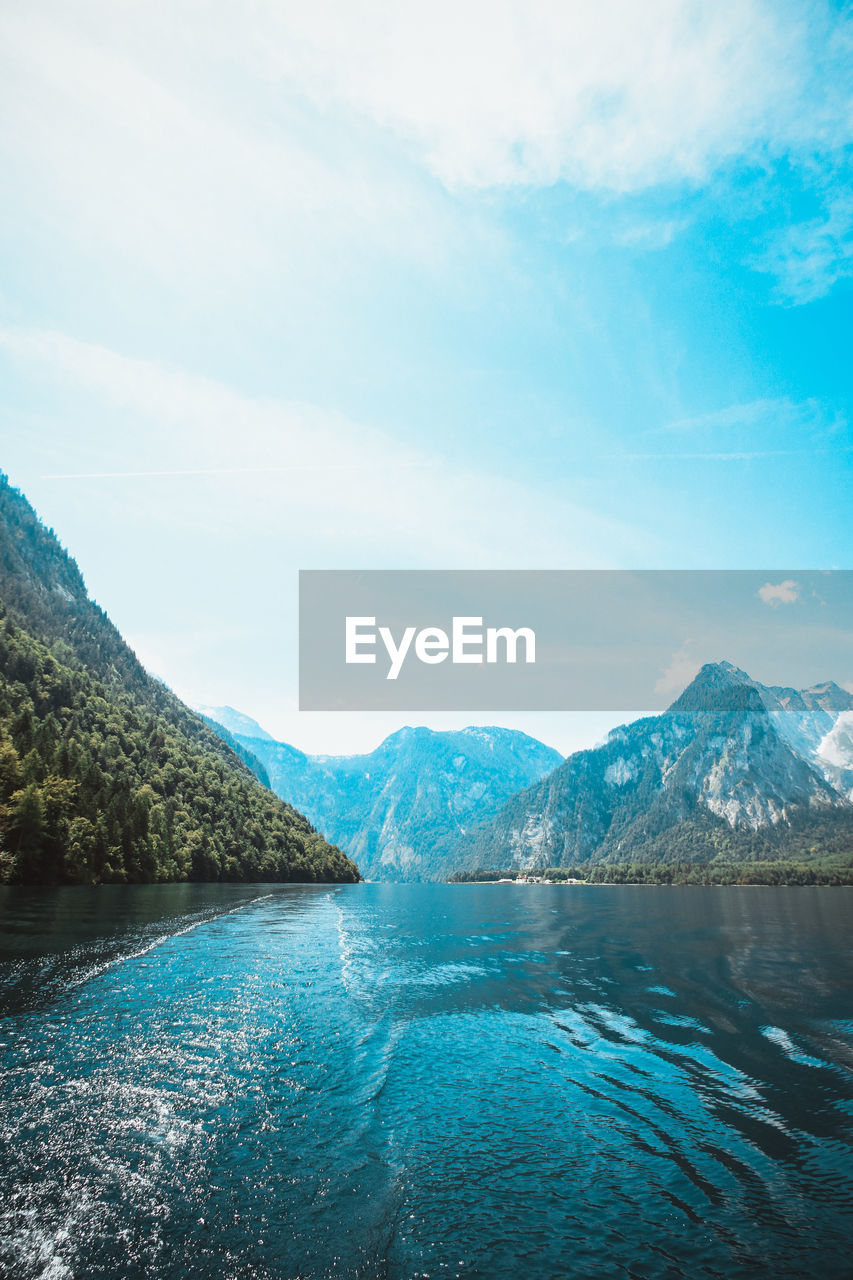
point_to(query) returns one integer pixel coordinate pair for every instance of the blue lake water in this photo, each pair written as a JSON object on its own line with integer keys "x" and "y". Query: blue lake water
{"x": 409, "y": 1081}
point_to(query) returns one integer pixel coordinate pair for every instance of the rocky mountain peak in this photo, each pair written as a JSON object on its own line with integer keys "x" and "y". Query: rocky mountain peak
{"x": 719, "y": 687}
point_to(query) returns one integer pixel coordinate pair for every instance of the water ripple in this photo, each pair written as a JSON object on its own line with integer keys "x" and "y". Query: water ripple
{"x": 401, "y": 1081}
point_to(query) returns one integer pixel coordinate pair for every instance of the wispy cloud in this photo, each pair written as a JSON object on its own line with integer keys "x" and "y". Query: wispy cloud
{"x": 757, "y": 429}
{"x": 809, "y": 258}
{"x": 650, "y": 234}
{"x": 686, "y": 456}
{"x": 382, "y": 500}
{"x": 763, "y": 413}
{"x": 604, "y": 94}
{"x": 302, "y": 141}
{"x": 119, "y": 146}
{"x": 214, "y": 471}
{"x": 608, "y": 94}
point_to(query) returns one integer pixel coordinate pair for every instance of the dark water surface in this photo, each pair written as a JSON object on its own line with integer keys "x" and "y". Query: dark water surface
{"x": 422, "y": 1081}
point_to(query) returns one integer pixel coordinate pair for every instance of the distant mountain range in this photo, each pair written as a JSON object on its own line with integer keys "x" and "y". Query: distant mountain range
{"x": 399, "y": 810}
{"x": 235, "y": 722}
{"x": 818, "y": 724}
{"x": 733, "y": 771}
{"x": 106, "y": 776}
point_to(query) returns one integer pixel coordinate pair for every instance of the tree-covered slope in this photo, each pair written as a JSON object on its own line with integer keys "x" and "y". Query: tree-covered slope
{"x": 248, "y": 757}
{"x": 104, "y": 774}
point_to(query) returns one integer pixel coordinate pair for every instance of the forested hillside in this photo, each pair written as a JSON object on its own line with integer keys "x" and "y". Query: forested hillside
{"x": 104, "y": 774}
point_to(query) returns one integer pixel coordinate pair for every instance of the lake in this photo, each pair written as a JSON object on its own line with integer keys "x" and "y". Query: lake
{"x": 400, "y": 1081}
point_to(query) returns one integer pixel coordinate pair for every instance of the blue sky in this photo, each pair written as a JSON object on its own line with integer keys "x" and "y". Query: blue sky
{"x": 389, "y": 285}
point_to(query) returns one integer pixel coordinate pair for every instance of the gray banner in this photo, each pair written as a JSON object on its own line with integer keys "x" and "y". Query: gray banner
{"x": 571, "y": 640}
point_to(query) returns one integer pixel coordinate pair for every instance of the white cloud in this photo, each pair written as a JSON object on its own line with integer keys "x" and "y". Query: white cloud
{"x": 678, "y": 674}
{"x": 364, "y": 495}
{"x": 787, "y": 592}
{"x": 809, "y": 258}
{"x": 603, "y": 93}
{"x": 205, "y": 144}
{"x": 110, "y": 142}
{"x": 837, "y": 746}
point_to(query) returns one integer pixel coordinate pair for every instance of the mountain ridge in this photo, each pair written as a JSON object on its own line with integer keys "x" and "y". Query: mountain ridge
{"x": 712, "y": 776}
{"x": 397, "y": 807}
{"x": 234, "y": 721}
{"x": 748, "y": 782}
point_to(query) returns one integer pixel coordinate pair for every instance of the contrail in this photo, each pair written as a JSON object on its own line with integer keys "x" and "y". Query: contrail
{"x": 744, "y": 456}
{"x": 228, "y": 471}
{"x": 127, "y": 475}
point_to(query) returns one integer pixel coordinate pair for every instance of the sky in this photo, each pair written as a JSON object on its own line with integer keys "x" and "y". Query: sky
{"x": 392, "y": 285}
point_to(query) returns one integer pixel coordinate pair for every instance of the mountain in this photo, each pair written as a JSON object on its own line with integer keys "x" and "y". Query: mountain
{"x": 235, "y": 722}
{"x": 718, "y": 776}
{"x": 248, "y": 757}
{"x": 818, "y": 724}
{"x": 104, "y": 774}
{"x": 399, "y": 809}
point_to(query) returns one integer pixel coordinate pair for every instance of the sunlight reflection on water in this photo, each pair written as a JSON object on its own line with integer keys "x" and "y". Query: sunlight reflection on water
{"x": 399, "y": 1081}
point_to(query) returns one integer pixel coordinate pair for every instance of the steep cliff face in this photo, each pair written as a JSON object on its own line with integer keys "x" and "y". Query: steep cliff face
{"x": 712, "y": 775}
{"x": 738, "y": 764}
{"x": 817, "y": 723}
{"x": 399, "y": 809}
